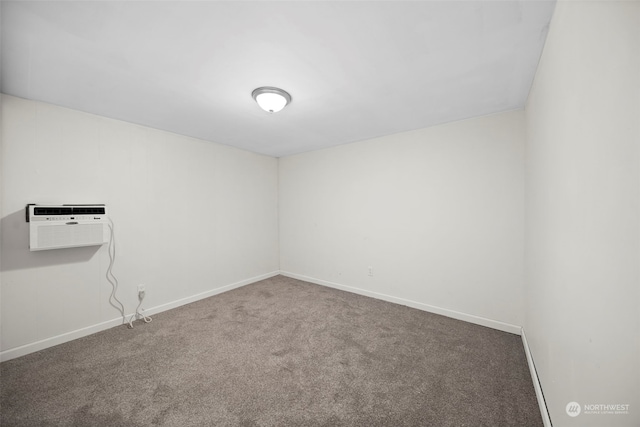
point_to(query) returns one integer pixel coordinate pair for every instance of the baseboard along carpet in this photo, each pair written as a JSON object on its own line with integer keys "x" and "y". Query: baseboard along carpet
{"x": 279, "y": 352}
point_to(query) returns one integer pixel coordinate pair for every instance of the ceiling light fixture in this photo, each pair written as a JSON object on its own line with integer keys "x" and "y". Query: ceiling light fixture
{"x": 271, "y": 99}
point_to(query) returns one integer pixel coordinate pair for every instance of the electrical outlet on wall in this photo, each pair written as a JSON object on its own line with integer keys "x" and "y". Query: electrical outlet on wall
{"x": 141, "y": 288}
{"x": 370, "y": 271}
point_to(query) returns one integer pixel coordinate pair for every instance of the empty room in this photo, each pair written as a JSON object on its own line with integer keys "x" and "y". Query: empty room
{"x": 320, "y": 213}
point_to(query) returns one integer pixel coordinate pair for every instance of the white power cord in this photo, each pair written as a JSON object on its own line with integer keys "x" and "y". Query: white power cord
{"x": 111, "y": 278}
{"x": 114, "y": 284}
{"x": 137, "y": 314}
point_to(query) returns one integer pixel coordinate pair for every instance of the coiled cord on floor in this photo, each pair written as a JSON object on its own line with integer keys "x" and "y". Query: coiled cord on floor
{"x": 137, "y": 313}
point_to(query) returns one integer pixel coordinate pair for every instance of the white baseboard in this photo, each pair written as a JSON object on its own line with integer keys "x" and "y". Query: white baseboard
{"x": 12, "y": 353}
{"x": 207, "y": 294}
{"x": 482, "y": 321}
{"x": 536, "y": 382}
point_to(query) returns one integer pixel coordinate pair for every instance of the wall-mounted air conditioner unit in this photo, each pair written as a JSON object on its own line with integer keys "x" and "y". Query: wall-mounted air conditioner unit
{"x": 66, "y": 226}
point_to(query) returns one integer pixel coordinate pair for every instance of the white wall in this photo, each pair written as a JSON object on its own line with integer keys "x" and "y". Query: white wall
{"x": 583, "y": 221}
{"x": 1, "y": 199}
{"x": 438, "y": 214}
{"x": 190, "y": 217}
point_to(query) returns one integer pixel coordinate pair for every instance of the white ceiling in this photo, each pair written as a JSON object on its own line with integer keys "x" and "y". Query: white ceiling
{"x": 355, "y": 69}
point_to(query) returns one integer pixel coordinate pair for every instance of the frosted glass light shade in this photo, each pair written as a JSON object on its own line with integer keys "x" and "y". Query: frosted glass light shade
{"x": 271, "y": 102}
{"x": 271, "y": 99}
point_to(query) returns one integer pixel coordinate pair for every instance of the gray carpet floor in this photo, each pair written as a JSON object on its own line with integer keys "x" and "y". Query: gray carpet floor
{"x": 279, "y": 352}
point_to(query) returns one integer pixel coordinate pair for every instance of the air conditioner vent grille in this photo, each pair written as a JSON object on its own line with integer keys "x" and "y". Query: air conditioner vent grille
{"x": 52, "y": 210}
{"x": 88, "y": 210}
{"x": 67, "y": 210}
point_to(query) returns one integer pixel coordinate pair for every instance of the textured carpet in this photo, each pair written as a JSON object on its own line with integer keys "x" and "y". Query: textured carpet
{"x": 279, "y": 352}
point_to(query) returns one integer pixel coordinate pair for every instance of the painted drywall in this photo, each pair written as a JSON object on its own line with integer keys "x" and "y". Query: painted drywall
{"x": 583, "y": 222}
{"x": 1, "y": 198}
{"x": 436, "y": 213}
{"x": 190, "y": 217}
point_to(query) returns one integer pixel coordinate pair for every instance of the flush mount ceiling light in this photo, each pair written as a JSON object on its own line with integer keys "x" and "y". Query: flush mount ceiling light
{"x": 271, "y": 99}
